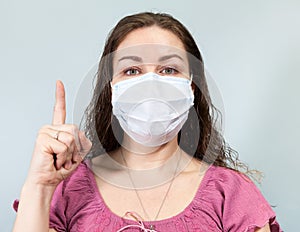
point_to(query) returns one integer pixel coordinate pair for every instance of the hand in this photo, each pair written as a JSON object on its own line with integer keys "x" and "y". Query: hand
{"x": 59, "y": 147}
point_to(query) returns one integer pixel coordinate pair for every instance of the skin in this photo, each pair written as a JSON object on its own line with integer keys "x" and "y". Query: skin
{"x": 156, "y": 36}
{"x": 43, "y": 176}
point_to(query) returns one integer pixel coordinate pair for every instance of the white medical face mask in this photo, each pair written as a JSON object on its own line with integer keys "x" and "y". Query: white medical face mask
{"x": 151, "y": 108}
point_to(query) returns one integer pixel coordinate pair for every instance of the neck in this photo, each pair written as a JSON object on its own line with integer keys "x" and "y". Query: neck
{"x": 138, "y": 157}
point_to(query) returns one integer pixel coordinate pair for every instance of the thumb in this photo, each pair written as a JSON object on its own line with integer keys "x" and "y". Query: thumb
{"x": 85, "y": 144}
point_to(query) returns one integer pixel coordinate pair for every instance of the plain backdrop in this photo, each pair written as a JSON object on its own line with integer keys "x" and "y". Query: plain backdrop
{"x": 251, "y": 49}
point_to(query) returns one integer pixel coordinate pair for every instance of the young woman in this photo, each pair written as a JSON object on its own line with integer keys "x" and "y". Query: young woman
{"x": 156, "y": 161}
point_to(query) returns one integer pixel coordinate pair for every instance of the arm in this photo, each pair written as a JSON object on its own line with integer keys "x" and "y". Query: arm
{"x": 33, "y": 210}
{"x": 48, "y": 170}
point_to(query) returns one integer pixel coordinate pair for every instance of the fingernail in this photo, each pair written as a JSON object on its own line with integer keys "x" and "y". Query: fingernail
{"x": 68, "y": 164}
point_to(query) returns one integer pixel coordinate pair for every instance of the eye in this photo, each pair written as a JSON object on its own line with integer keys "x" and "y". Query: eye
{"x": 169, "y": 71}
{"x": 132, "y": 72}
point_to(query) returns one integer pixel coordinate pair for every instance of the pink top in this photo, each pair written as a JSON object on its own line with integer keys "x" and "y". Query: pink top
{"x": 225, "y": 201}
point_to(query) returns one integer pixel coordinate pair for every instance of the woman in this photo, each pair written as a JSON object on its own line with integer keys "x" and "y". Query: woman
{"x": 157, "y": 161}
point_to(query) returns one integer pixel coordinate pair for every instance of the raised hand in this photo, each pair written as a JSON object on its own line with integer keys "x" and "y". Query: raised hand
{"x": 58, "y": 151}
{"x": 59, "y": 147}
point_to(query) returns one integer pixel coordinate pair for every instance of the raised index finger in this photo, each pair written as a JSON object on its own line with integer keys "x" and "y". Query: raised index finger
{"x": 59, "y": 112}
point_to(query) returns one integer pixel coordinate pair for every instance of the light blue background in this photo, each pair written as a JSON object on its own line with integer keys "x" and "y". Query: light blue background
{"x": 251, "y": 48}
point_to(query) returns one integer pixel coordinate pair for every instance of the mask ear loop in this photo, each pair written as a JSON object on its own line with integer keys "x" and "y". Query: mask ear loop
{"x": 191, "y": 78}
{"x": 191, "y": 83}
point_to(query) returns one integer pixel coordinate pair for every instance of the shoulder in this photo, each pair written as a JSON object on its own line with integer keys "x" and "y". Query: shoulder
{"x": 233, "y": 190}
{"x": 81, "y": 177}
{"x": 229, "y": 193}
{"x": 223, "y": 186}
{"x": 223, "y": 182}
{"x": 74, "y": 193}
{"x": 227, "y": 179}
{"x": 80, "y": 181}
{"x": 75, "y": 198}
{"x": 79, "y": 187}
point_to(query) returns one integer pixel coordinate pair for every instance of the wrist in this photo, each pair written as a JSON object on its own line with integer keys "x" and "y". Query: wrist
{"x": 40, "y": 192}
{"x": 34, "y": 207}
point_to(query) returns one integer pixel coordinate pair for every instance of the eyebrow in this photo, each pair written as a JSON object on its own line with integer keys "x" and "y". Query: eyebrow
{"x": 163, "y": 58}
{"x": 134, "y": 58}
{"x": 139, "y": 59}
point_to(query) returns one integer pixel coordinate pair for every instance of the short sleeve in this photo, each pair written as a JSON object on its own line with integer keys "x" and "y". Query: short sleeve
{"x": 58, "y": 219}
{"x": 244, "y": 207}
{"x": 73, "y": 205}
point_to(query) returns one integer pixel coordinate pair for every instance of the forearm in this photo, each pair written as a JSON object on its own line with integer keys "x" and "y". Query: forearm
{"x": 33, "y": 210}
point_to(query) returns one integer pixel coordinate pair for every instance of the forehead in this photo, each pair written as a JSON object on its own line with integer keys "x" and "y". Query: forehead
{"x": 150, "y": 45}
{"x": 151, "y": 35}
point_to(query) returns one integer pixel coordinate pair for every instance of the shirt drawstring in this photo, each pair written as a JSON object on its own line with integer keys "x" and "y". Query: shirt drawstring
{"x": 140, "y": 224}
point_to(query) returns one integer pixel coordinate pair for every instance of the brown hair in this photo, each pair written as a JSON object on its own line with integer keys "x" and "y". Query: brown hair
{"x": 209, "y": 146}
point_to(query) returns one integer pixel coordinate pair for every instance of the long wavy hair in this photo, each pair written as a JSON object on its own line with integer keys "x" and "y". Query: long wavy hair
{"x": 208, "y": 145}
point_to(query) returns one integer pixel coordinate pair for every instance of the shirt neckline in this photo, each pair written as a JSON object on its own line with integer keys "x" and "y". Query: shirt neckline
{"x": 197, "y": 195}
